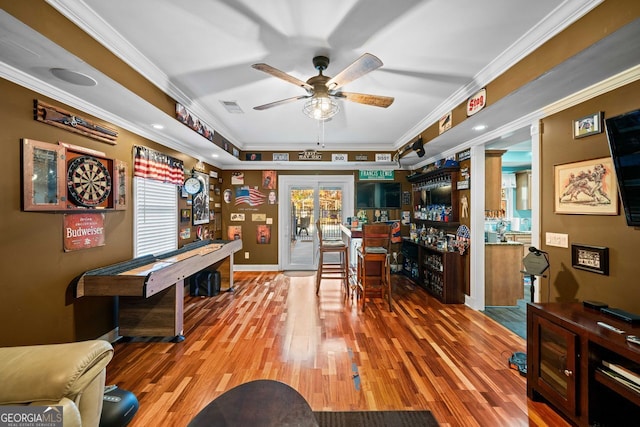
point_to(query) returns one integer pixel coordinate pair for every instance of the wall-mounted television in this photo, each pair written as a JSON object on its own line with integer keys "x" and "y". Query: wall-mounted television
{"x": 378, "y": 195}
{"x": 623, "y": 133}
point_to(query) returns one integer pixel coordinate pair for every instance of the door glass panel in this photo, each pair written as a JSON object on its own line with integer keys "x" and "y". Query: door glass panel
{"x": 302, "y": 220}
{"x": 305, "y": 199}
{"x": 330, "y": 203}
{"x": 553, "y": 360}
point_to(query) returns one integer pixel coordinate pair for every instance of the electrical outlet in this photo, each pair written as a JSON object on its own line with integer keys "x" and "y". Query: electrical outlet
{"x": 557, "y": 239}
{"x": 246, "y": 255}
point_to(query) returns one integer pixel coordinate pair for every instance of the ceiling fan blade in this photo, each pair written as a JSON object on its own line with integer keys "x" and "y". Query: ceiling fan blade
{"x": 282, "y": 75}
{"x": 363, "y": 98}
{"x": 281, "y": 102}
{"x": 361, "y": 66}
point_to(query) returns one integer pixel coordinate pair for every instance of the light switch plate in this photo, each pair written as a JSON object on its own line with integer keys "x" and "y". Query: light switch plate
{"x": 557, "y": 239}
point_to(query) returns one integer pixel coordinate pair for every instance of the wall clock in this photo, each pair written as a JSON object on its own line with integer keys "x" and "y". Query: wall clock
{"x": 193, "y": 185}
{"x": 88, "y": 181}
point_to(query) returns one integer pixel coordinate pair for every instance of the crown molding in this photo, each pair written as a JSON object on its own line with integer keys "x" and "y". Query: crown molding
{"x": 20, "y": 78}
{"x": 560, "y": 18}
{"x": 607, "y": 85}
{"x": 78, "y": 12}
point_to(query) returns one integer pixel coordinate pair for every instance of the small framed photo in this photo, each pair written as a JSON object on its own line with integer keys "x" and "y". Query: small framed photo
{"x": 588, "y": 125}
{"x": 185, "y": 215}
{"x": 590, "y": 258}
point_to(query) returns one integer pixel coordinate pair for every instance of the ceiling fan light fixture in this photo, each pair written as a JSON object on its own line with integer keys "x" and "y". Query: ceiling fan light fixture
{"x": 321, "y": 108}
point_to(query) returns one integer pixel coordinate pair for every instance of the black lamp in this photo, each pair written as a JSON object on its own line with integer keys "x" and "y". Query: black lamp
{"x": 535, "y": 264}
{"x": 418, "y": 147}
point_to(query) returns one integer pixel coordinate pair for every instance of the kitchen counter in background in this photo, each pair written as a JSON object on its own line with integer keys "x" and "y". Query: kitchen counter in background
{"x": 507, "y": 243}
{"x": 503, "y": 282}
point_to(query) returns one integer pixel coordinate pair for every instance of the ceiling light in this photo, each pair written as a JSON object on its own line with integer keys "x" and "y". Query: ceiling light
{"x": 480, "y": 127}
{"x": 214, "y": 155}
{"x": 321, "y": 108}
{"x": 73, "y": 77}
{"x": 157, "y": 126}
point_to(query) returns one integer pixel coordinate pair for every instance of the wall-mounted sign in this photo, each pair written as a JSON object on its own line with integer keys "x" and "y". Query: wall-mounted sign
{"x": 64, "y": 119}
{"x": 464, "y": 155}
{"x": 186, "y": 117}
{"x": 83, "y": 231}
{"x": 463, "y": 185}
{"x": 309, "y": 155}
{"x": 376, "y": 175}
{"x": 476, "y": 102}
{"x": 383, "y": 157}
{"x": 444, "y": 124}
{"x": 339, "y": 157}
{"x": 361, "y": 158}
{"x": 280, "y": 157}
{"x": 252, "y": 157}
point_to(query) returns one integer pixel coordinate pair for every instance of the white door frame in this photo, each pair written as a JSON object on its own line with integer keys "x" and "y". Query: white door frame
{"x": 285, "y": 182}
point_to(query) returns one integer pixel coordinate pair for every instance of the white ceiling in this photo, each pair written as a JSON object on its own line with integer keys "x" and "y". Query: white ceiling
{"x": 436, "y": 53}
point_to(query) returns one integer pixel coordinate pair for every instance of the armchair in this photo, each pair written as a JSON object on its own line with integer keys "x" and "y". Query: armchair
{"x": 71, "y": 375}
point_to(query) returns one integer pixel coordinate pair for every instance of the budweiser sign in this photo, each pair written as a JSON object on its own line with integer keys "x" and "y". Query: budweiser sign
{"x": 82, "y": 231}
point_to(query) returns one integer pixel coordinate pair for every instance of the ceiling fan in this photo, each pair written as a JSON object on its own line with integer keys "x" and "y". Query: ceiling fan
{"x": 322, "y": 90}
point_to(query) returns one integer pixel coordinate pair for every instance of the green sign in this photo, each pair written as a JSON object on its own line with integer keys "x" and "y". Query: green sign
{"x": 377, "y": 175}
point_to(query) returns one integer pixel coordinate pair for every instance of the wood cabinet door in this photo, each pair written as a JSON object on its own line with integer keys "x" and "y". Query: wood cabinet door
{"x": 555, "y": 361}
{"x": 43, "y": 176}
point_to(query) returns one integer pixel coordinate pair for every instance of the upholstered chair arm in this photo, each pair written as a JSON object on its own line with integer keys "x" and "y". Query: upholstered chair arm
{"x": 49, "y": 373}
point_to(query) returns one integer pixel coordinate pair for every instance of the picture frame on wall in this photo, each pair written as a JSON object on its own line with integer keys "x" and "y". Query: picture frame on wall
{"x": 588, "y": 187}
{"x": 185, "y": 215}
{"x": 587, "y": 125}
{"x": 200, "y": 201}
{"x": 590, "y": 258}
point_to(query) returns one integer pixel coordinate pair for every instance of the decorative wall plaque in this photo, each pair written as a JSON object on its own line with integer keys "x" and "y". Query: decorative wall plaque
{"x": 64, "y": 119}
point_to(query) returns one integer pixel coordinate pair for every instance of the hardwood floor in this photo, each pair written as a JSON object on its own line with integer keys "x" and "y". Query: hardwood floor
{"x": 424, "y": 355}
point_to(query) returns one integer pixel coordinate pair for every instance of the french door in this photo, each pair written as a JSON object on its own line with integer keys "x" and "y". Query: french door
{"x": 305, "y": 199}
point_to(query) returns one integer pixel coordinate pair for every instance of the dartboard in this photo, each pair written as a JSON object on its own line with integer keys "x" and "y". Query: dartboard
{"x": 88, "y": 181}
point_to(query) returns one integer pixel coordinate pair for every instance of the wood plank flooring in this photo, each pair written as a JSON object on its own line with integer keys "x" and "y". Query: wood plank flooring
{"x": 424, "y": 355}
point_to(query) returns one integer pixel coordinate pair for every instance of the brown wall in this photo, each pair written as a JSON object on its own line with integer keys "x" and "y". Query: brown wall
{"x": 267, "y": 254}
{"x": 619, "y": 289}
{"x": 36, "y": 302}
{"x": 36, "y": 293}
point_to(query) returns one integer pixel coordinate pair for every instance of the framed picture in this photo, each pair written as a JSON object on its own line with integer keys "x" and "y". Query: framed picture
{"x": 587, "y": 187}
{"x": 587, "y": 125}
{"x": 200, "y": 201}
{"x": 185, "y": 215}
{"x": 590, "y": 258}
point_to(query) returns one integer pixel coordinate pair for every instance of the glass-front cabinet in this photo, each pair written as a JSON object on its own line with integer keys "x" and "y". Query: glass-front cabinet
{"x": 554, "y": 364}
{"x": 43, "y": 177}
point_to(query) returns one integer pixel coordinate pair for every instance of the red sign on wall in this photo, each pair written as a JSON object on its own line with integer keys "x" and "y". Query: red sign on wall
{"x": 83, "y": 231}
{"x": 476, "y": 102}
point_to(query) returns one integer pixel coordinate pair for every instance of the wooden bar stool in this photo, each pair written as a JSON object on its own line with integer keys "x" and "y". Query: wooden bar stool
{"x": 374, "y": 269}
{"x": 332, "y": 270}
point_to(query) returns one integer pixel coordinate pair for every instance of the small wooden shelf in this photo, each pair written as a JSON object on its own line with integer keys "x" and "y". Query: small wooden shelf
{"x": 624, "y": 391}
{"x": 443, "y": 282}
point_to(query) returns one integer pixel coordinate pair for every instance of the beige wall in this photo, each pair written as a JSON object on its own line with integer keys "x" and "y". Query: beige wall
{"x": 621, "y": 288}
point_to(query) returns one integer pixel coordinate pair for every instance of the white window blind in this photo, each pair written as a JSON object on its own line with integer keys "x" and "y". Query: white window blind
{"x": 155, "y": 217}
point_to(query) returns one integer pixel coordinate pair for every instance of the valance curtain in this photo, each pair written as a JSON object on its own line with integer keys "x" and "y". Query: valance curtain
{"x": 152, "y": 164}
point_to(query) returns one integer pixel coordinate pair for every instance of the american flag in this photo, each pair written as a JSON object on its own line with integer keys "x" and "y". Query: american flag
{"x": 250, "y": 196}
